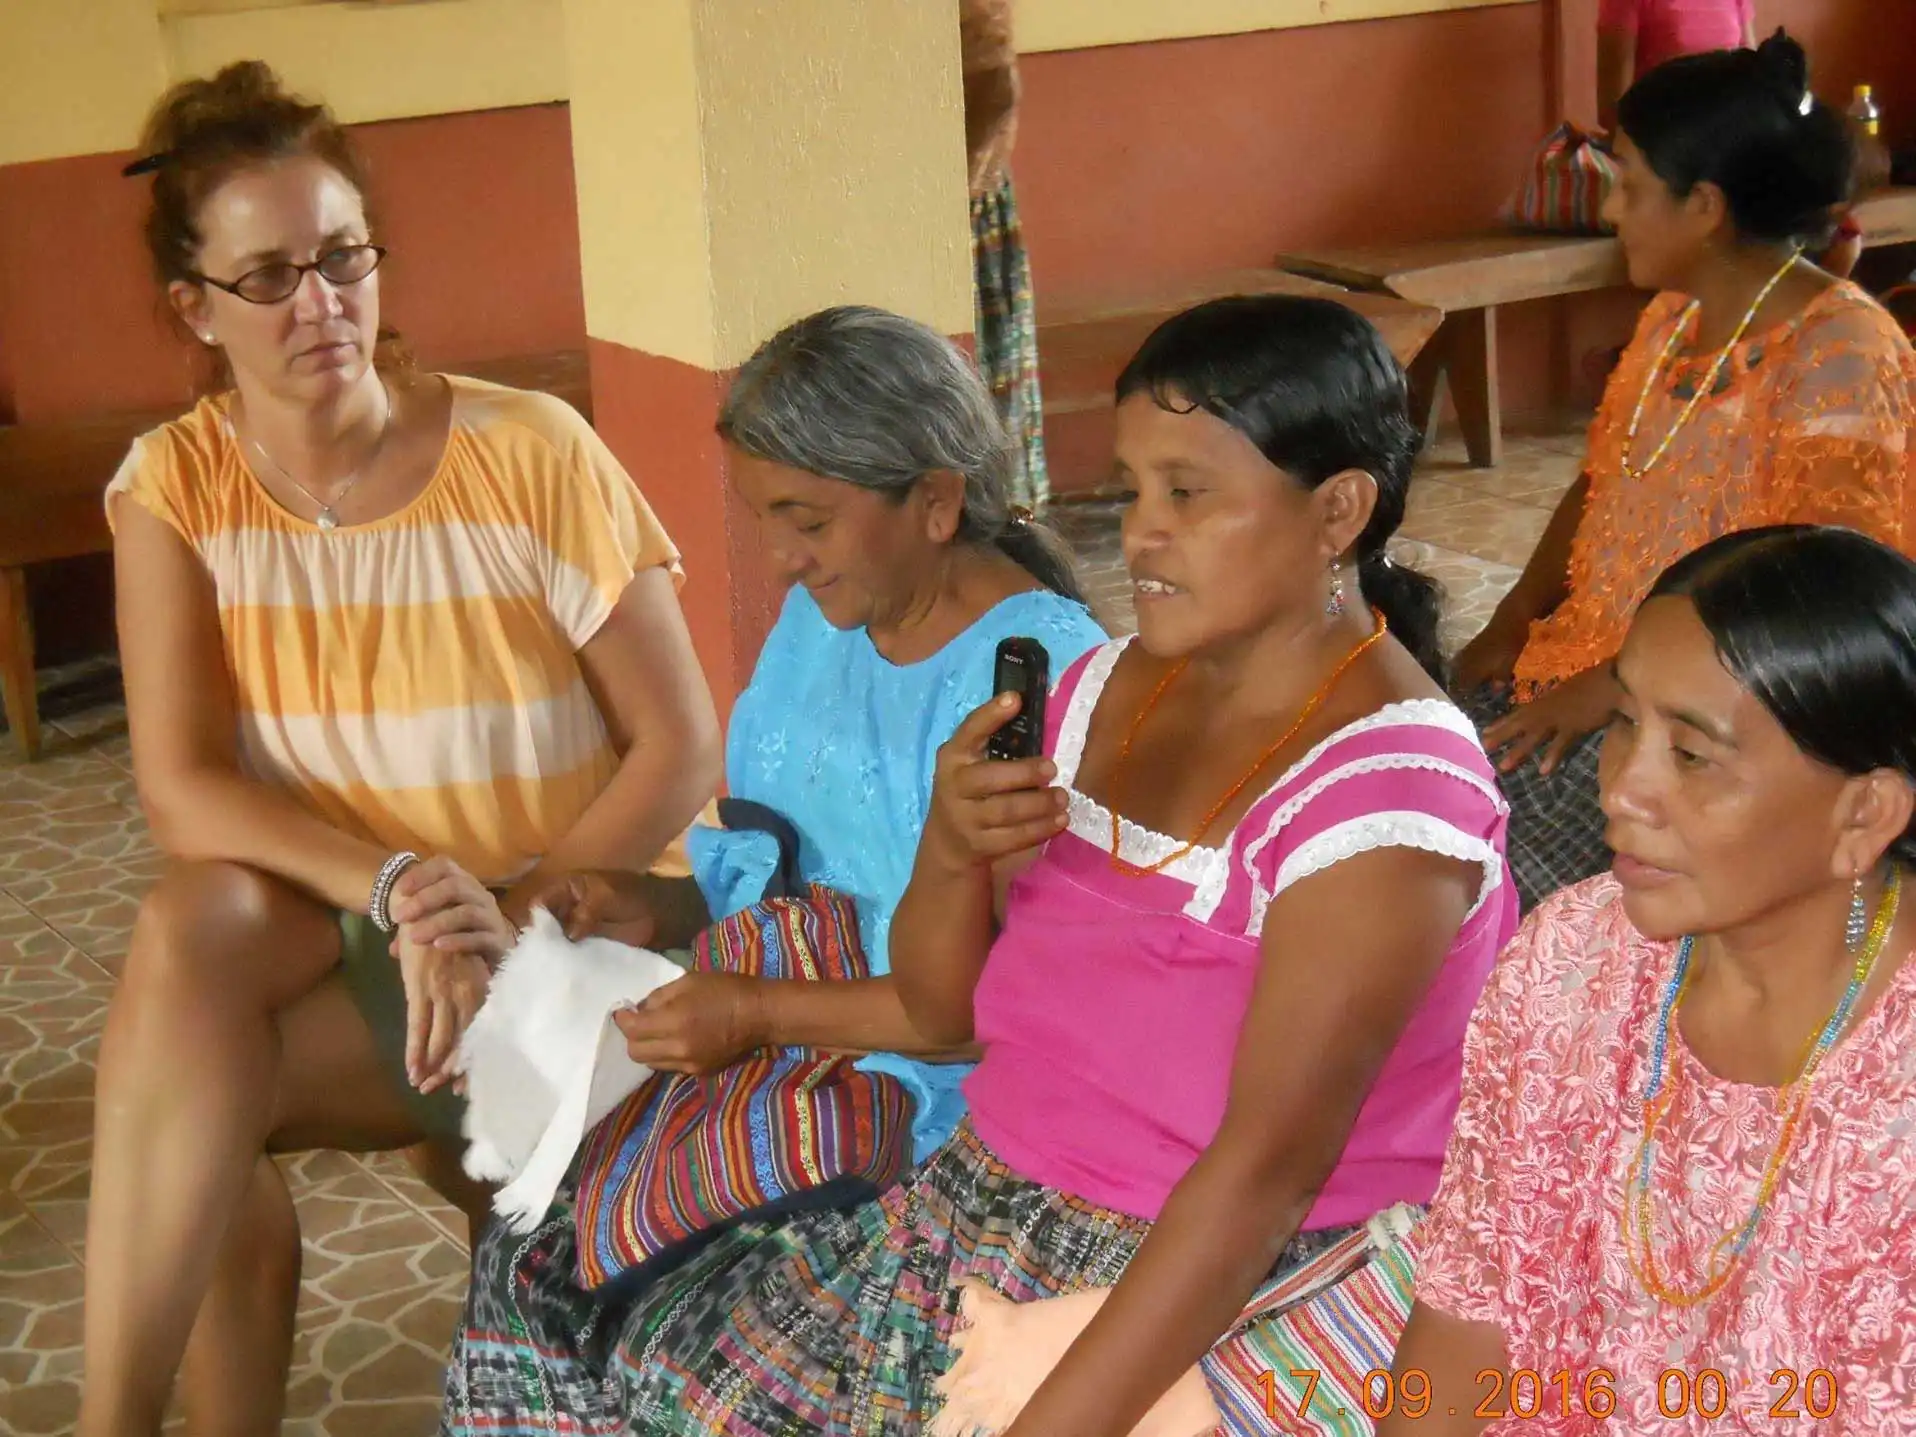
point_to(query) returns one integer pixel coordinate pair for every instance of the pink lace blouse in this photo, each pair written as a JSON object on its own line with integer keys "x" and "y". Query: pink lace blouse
{"x": 1818, "y": 1332}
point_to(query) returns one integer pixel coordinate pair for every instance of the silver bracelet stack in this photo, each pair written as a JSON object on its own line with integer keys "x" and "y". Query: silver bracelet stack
{"x": 379, "y": 909}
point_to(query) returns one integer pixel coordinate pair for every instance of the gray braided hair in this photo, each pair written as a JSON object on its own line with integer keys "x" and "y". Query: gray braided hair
{"x": 877, "y": 400}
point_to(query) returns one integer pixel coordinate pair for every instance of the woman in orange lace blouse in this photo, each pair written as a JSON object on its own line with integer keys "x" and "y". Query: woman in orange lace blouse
{"x": 1758, "y": 390}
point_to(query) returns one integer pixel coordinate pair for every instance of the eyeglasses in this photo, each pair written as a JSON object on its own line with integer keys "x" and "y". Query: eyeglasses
{"x": 271, "y": 283}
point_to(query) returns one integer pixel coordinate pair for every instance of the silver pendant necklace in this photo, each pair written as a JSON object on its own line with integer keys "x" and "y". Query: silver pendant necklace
{"x": 328, "y": 516}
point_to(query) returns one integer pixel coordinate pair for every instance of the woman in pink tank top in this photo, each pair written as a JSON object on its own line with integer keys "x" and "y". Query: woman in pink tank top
{"x": 1222, "y": 1011}
{"x": 1250, "y": 895}
{"x": 1635, "y": 36}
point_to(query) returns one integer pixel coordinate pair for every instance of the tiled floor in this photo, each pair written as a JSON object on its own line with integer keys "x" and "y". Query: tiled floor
{"x": 385, "y": 1261}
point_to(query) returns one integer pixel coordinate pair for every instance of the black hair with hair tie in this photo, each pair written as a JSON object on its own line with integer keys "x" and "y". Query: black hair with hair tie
{"x": 1749, "y": 123}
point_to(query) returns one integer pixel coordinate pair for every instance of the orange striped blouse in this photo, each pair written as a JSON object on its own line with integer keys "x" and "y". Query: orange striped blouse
{"x": 414, "y": 680}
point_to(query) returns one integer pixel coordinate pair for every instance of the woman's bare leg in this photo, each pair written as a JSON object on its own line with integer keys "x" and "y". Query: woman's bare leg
{"x": 333, "y": 1092}
{"x": 189, "y": 1070}
{"x": 233, "y": 1379}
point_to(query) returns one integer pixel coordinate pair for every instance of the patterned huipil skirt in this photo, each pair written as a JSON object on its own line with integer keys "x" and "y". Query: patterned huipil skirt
{"x": 836, "y": 1323}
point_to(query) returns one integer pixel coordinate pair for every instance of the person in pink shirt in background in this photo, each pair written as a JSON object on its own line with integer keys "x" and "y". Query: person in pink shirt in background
{"x": 1635, "y": 36}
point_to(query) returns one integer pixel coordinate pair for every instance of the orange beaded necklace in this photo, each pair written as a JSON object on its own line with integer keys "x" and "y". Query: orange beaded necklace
{"x": 1140, "y": 870}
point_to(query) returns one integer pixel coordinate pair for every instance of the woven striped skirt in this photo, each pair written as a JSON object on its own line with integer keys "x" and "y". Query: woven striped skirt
{"x": 834, "y": 1323}
{"x": 1556, "y": 824}
{"x": 1007, "y": 335}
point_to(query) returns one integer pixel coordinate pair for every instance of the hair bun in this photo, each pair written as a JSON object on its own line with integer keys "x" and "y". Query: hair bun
{"x": 1746, "y": 122}
{"x": 1786, "y": 64}
{"x": 236, "y": 98}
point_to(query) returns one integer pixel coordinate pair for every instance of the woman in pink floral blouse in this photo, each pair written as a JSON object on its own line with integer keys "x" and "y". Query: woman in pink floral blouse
{"x": 1681, "y": 1188}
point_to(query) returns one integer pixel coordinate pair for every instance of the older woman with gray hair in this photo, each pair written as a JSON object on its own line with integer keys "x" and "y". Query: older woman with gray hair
{"x": 874, "y": 458}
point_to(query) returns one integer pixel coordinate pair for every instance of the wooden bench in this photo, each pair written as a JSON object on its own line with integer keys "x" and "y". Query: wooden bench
{"x": 53, "y": 479}
{"x": 1469, "y": 279}
{"x": 1085, "y": 342}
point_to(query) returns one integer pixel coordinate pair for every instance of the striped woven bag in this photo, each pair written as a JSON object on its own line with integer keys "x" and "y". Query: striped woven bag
{"x": 1565, "y": 187}
{"x": 1312, "y": 1353}
{"x": 686, "y": 1156}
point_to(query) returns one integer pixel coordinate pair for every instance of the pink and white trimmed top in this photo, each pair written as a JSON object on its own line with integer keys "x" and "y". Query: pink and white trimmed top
{"x": 1111, "y": 1005}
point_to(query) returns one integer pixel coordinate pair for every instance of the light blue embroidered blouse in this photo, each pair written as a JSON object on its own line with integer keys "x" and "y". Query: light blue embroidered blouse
{"x": 842, "y": 742}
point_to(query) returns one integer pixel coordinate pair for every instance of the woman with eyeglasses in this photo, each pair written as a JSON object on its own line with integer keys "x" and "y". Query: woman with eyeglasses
{"x": 398, "y": 648}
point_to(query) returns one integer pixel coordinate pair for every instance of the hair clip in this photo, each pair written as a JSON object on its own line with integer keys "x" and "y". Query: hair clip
{"x": 147, "y": 164}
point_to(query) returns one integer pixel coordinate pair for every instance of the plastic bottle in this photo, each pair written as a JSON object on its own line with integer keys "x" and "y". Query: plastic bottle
{"x": 1872, "y": 155}
{"x": 1865, "y": 113}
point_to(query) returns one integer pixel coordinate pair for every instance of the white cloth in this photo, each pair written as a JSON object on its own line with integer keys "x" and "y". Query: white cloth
{"x": 544, "y": 1062}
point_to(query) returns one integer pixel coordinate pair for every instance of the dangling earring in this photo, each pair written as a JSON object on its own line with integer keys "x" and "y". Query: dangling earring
{"x": 1334, "y": 606}
{"x": 1856, "y": 926}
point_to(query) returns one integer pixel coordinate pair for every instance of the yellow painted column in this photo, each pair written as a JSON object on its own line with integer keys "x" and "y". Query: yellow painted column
{"x": 741, "y": 163}
{"x": 76, "y": 78}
